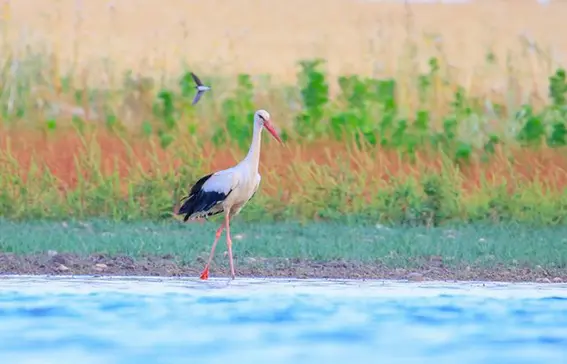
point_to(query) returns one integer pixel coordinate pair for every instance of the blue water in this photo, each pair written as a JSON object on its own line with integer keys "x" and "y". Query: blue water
{"x": 150, "y": 320}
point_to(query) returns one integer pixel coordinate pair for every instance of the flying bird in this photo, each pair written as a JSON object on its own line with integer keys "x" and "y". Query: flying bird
{"x": 227, "y": 191}
{"x": 201, "y": 89}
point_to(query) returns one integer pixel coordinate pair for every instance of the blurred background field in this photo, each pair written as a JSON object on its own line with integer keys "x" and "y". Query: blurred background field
{"x": 414, "y": 114}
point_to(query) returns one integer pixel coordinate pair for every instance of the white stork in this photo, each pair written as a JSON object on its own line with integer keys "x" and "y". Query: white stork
{"x": 227, "y": 191}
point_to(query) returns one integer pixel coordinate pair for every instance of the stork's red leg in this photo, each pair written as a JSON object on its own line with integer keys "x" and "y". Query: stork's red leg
{"x": 205, "y": 273}
{"x": 229, "y": 246}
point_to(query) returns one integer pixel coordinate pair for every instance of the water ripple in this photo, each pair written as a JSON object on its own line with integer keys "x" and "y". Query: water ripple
{"x": 155, "y": 320}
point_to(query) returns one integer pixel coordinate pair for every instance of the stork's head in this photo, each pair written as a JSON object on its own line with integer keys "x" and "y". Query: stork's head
{"x": 262, "y": 119}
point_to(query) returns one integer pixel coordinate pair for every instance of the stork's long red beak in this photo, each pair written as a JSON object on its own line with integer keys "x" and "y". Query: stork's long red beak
{"x": 269, "y": 126}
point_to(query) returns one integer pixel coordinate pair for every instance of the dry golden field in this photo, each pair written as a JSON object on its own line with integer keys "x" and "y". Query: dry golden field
{"x": 98, "y": 40}
{"x": 267, "y": 36}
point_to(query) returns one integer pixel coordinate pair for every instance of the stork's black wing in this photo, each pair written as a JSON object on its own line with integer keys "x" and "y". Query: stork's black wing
{"x": 199, "y": 202}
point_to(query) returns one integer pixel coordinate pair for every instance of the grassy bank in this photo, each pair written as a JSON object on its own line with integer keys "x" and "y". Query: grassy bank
{"x": 476, "y": 245}
{"x": 422, "y": 142}
{"x": 360, "y": 155}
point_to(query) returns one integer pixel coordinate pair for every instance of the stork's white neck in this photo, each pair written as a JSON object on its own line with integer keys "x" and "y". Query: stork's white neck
{"x": 253, "y": 156}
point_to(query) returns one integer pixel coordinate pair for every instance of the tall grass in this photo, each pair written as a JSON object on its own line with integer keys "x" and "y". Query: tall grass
{"x": 413, "y": 148}
{"x": 354, "y": 155}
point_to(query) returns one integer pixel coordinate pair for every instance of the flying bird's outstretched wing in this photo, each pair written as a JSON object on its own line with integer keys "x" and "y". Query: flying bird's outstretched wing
{"x": 196, "y": 79}
{"x": 197, "y": 97}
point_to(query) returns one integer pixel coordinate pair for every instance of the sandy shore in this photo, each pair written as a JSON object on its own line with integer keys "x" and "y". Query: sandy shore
{"x": 167, "y": 266}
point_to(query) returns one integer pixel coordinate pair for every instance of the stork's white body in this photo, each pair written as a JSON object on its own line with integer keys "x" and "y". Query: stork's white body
{"x": 230, "y": 189}
{"x": 238, "y": 184}
{"x": 241, "y": 181}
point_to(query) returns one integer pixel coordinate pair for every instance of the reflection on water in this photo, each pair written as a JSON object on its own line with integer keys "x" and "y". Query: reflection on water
{"x": 154, "y": 320}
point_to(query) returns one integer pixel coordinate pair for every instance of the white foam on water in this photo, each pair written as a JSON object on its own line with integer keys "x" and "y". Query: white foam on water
{"x": 259, "y": 286}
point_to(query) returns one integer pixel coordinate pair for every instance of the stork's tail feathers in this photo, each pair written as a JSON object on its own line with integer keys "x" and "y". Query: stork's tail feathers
{"x": 187, "y": 208}
{"x": 187, "y": 203}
